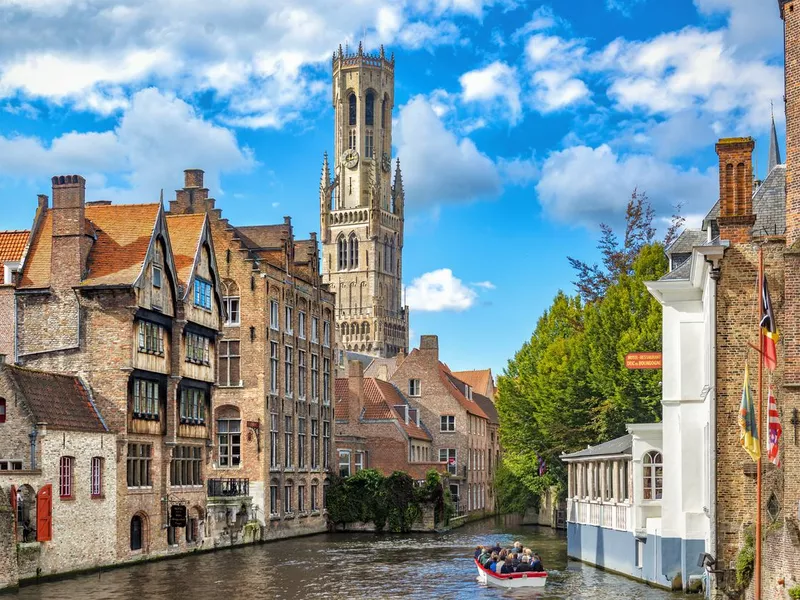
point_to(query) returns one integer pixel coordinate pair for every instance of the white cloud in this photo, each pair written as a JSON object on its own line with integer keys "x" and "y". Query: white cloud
{"x": 556, "y": 90}
{"x": 622, "y": 6}
{"x": 556, "y": 65}
{"x": 518, "y": 171}
{"x": 496, "y": 80}
{"x": 439, "y": 166}
{"x": 585, "y": 186}
{"x": 156, "y": 138}
{"x": 754, "y": 29}
{"x": 439, "y": 290}
{"x": 486, "y": 285}
{"x": 259, "y": 60}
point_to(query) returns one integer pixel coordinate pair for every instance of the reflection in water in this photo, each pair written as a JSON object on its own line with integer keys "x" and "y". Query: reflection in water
{"x": 351, "y": 566}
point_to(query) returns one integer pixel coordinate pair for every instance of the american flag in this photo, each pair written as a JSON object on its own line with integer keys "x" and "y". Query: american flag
{"x": 775, "y": 429}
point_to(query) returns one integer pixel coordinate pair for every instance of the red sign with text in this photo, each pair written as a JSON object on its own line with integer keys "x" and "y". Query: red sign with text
{"x": 643, "y": 360}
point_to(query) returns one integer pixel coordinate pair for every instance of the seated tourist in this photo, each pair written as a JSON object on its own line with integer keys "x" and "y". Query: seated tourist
{"x": 485, "y": 555}
{"x": 515, "y": 559}
{"x": 497, "y": 547}
{"x": 508, "y": 566}
{"x": 490, "y": 564}
{"x": 537, "y": 565}
{"x": 478, "y": 551}
{"x": 524, "y": 564}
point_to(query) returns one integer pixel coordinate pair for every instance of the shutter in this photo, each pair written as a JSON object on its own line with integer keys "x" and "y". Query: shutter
{"x": 44, "y": 514}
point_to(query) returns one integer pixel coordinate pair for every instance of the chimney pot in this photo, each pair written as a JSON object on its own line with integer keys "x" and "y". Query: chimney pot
{"x": 429, "y": 345}
{"x": 287, "y": 220}
{"x": 43, "y": 200}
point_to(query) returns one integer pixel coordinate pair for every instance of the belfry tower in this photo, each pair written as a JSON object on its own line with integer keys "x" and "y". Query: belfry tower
{"x": 361, "y": 209}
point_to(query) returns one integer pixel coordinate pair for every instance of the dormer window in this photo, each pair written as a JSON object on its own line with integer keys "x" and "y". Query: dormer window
{"x": 468, "y": 392}
{"x": 156, "y": 276}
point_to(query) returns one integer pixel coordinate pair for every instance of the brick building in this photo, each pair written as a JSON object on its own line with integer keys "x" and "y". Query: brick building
{"x": 128, "y": 299}
{"x": 12, "y": 248}
{"x": 58, "y": 468}
{"x": 273, "y": 405}
{"x": 376, "y": 428}
{"x": 459, "y": 426}
{"x": 480, "y": 380}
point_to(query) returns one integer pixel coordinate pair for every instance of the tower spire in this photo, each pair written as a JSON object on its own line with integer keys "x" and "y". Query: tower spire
{"x": 774, "y": 149}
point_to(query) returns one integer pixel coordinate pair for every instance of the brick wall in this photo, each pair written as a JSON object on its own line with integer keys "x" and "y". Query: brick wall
{"x": 7, "y": 322}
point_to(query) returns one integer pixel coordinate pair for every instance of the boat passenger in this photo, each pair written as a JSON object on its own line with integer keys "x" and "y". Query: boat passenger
{"x": 524, "y": 564}
{"x": 515, "y": 559}
{"x": 484, "y": 557}
{"x": 478, "y": 551}
{"x": 537, "y": 564}
{"x": 497, "y": 547}
{"x": 490, "y": 564}
{"x": 508, "y": 566}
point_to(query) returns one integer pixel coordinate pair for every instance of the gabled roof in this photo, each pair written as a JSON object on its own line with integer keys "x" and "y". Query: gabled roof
{"x": 184, "y": 236}
{"x": 122, "y": 237}
{"x": 688, "y": 239}
{"x": 61, "y": 401}
{"x": 769, "y": 204}
{"x": 487, "y": 406}
{"x": 479, "y": 379}
{"x": 12, "y": 245}
{"x": 456, "y": 389}
{"x": 375, "y": 366}
{"x": 620, "y": 446}
{"x": 380, "y": 398}
{"x": 679, "y": 273}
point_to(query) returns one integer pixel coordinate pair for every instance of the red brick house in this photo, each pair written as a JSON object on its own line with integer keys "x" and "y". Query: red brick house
{"x": 12, "y": 249}
{"x": 377, "y": 428}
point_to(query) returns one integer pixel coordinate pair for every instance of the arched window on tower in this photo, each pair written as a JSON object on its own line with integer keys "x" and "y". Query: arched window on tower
{"x": 369, "y": 109}
{"x": 342, "y": 247}
{"x": 353, "y": 110}
{"x": 386, "y": 256}
{"x": 353, "y": 251}
{"x": 383, "y": 111}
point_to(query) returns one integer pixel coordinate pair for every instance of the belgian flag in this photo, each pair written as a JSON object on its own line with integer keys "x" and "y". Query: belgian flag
{"x": 769, "y": 329}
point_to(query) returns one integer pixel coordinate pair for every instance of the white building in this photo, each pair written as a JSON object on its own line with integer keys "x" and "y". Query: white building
{"x": 657, "y": 525}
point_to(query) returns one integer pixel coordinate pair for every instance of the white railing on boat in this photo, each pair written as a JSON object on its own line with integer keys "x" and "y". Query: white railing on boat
{"x": 611, "y": 515}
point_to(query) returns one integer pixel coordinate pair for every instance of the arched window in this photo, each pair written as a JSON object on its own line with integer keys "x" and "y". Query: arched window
{"x": 27, "y": 520}
{"x": 653, "y": 474}
{"x": 365, "y": 328}
{"x": 383, "y": 112}
{"x": 230, "y": 299}
{"x": 65, "y": 477}
{"x": 342, "y": 246}
{"x": 345, "y": 329}
{"x": 370, "y": 109}
{"x": 137, "y": 533}
{"x": 353, "y": 251}
{"x": 229, "y": 436}
{"x": 353, "y": 110}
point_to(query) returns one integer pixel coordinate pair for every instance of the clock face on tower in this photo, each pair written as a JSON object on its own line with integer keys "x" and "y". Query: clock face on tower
{"x": 350, "y": 158}
{"x": 386, "y": 163}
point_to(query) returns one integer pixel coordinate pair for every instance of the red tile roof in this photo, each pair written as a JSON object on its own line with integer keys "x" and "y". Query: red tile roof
{"x": 451, "y": 383}
{"x": 480, "y": 379}
{"x": 12, "y": 245}
{"x": 61, "y": 401}
{"x": 380, "y": 397}
{"x": 123, "y": 234}
{"x": 184, "y": 236}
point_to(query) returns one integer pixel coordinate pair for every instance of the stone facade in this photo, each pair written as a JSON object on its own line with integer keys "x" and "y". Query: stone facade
{"x": 362, "y": 210}
{"x": 276, "y": 366}
{"x": 130, "y": 301}
{"x": 81, "y": 492}
{"x": 461, "y": 442}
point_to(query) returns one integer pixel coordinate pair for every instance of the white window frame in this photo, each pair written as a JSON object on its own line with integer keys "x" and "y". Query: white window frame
{"x": 315, "y": 330}
{"x": 344, "y": 455}
{"x": 448, "y": 453}
{"x": 228, "y": 302}
{"x": 326, "y": 334}
{"x": 301, "y": 324}
{"x": 359, "y": 462}
{"x": 288, "y": 509}
{"x": 288, "y": 314}
{"x": 288, "y": 370}
{"x": 274, "y": 316}
{"x": 274, "y": 364}
{"x": 414, "y": 388}
{"x": 447, "y": 423}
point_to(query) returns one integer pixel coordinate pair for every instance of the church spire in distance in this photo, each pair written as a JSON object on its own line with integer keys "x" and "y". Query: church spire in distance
{"x": 774, "y": 149}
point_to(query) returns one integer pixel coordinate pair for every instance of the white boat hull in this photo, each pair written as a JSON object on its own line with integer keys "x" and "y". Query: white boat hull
{"x": 530, "y": 579}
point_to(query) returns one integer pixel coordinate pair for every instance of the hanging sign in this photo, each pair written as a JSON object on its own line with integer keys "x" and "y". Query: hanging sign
{"x": 643, "y": 360}
{"x": 177, "y": 515}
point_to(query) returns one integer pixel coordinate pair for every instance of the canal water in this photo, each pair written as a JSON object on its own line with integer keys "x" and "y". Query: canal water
{"x": 351, "y": 566}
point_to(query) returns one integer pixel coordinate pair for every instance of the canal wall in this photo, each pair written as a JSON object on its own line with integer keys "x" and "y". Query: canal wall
{"x": 550, "y": 513}
{"x": 9, "y": 570}
{"x": 425, "y": 524}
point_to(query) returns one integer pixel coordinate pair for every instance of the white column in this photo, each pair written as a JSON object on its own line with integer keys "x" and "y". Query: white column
{"x": 602, "y": 476}
{"x": 570, "y": 485}
{"x": 615, "y": 478}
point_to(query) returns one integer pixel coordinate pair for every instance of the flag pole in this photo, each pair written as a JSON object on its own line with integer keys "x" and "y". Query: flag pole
{"x": 757, "y": 566}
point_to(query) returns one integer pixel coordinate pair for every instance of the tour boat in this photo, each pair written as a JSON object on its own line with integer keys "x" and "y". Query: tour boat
{"x": 512, "y": 580}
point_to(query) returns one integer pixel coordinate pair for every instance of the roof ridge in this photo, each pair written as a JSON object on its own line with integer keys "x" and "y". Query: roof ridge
{"x": 41, "y": 371}
{"x": 15, "y": 231}
{"x": 101, "y": 206}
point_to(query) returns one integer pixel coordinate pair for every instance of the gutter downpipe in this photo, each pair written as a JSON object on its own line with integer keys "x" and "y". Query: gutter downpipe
{"x": 712, "y": 301}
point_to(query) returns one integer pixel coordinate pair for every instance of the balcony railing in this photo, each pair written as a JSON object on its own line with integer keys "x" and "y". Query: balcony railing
{"x": 228, "y": 487}
{"x": 611, "y": 515}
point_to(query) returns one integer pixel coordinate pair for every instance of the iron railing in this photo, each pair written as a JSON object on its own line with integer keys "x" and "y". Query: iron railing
{"x": 228, "y": 487}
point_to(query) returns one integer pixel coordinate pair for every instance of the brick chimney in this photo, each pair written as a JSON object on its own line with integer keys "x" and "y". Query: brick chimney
{"x": 355, "y": 385}
{"x": 429, "y": 347}
{"x": 790, "y": 13}
{"x": 736, "y": 218}
{"x": 70, "y": 243}
{"x": 193, "y": 198}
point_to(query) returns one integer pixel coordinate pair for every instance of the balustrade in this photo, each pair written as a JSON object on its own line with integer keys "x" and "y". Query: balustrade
{"x": 611, "y": 515}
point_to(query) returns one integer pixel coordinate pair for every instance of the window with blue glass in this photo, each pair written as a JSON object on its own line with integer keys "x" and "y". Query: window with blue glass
{"x": 202, "y": 293}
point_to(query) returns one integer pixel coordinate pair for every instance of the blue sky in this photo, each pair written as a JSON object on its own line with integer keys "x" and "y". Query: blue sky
{"x": 520, "y": 126}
